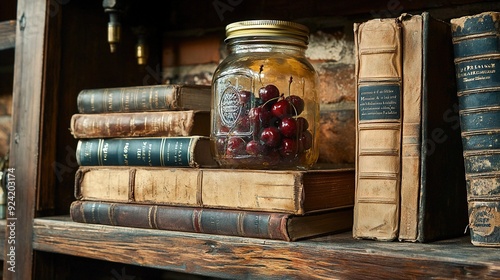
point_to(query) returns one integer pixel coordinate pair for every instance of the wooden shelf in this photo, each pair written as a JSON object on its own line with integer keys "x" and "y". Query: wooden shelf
{"x": 234, "y": 257}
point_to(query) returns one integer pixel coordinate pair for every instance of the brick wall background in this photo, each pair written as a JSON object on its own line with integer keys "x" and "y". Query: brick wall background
{"x": 188, "y": 58}
{"x": 193, "y": 46}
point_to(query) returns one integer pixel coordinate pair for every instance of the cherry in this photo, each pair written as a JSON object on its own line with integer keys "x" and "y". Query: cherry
{"x": 220, "y": 144}
{"x": 259, "y": 117}
{"x": 223, "y": 129}
{"x": 235, "y": 146}
{"x": 302, "y": 124}
{"x": 243, "y": 124}
{"x": 268, "y": 92}
{"x": 281, "y": 109}
{"x": 270, "y": 136}
{"x": 297, "y": 104}
{"x": 305, "y": 141}
{"x": 244, "y": 96}
{"x": 256, "y": 148}
{"x": 288, "y": 127}
{"x": 288, "y": 148}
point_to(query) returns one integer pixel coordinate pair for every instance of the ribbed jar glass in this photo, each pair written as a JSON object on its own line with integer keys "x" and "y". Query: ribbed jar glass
{"x": 265, "y": 109}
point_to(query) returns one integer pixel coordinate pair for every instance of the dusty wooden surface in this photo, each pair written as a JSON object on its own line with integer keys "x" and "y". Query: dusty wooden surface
{"x": 335, "y": 256}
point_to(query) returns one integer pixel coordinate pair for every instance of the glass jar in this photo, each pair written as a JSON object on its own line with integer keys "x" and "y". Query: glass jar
{"x": 265, "y": 108}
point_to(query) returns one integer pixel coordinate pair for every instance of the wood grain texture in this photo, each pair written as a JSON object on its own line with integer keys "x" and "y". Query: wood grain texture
{"x": 24, "y": 147}
{"x": 335, "y": 256}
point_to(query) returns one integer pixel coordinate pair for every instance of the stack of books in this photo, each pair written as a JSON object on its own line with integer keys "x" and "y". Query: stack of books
{"x": 146, "y": 162}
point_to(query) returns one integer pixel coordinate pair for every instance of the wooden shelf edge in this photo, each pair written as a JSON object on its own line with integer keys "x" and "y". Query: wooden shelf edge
{"x": 7, "y": 34}
{"x": 234, "y": 257}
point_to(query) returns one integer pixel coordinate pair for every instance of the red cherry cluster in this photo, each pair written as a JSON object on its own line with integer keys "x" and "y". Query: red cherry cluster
{"x": 280, "y": 134}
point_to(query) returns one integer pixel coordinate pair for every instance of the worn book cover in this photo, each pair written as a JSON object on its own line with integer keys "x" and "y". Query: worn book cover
{"x": 286, "y": 191}
{"x": 477, "y": 59}
{"x": 266, "y": 225}
{"x": 433, "y": 198}
{"x": 429, "y": 202}
{"x": 141, "y": 124}
{"x": 378, "y": 128}
{"x": 144, "y": 99}
{"x": 181, "y": 151}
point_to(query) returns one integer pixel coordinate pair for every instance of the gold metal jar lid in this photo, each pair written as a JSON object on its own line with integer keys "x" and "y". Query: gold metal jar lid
{"x": 267, "y": 28}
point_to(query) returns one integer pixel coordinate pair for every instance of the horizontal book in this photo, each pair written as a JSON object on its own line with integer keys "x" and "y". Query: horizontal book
{"x": 286, "y": 191}
{"x": 144, "y": 99}
{"x": 264, "y": 225}
{"x": 141, "y": 124}
{"x": 189, "y": 151}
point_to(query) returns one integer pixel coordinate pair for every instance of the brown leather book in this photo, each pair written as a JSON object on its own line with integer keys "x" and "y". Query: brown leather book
{"x": 378, "y": 128}
{"x": 144, "y": 99}
{"x": 141, "y": 124}
{"x": 264, "y": 225}
{"x": 286, "y": 191}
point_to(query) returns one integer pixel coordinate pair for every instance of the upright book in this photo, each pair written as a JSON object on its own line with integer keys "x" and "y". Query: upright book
{"x": 188, "y": 151}
{"x": 433, "y": 197}
{"x": 431, "y": 190}
{"x": 253, "y": 224}
{"x": 378, "y": 128}
{"x": 144, "y": 99}
{"x": 285, "y": 191}
{"x": 141, "y": 124}
{"x": 477, "y": 58}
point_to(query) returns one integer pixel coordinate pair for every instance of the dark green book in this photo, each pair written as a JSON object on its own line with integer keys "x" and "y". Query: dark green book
{"x": 476, "y": 41}
{"x": 189, "y": 151}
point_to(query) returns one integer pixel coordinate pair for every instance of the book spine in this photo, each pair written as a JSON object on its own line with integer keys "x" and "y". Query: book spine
{"x": 128, "y": 99}
{"x": 155, "y": 151}
{"x": 197, "y": 220}
{"x": 477, "y": 62}
{"x": 412, "y": 126}
{"x": 148, "y": 124}
{"x": 378, "y": 129}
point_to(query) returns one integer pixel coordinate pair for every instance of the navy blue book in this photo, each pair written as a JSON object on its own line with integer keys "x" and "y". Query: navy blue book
{"x": 476, "y": 41}
{"x": 189, "y": 151}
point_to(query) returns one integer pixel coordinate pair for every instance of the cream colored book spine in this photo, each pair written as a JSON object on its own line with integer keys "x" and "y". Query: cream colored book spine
{"x": 378, "y": 131}
{"x": 411, "y": 140}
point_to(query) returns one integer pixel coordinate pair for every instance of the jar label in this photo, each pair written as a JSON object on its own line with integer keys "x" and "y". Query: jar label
{"x": 229, "y": 106}
{"x": 234, "y": 99}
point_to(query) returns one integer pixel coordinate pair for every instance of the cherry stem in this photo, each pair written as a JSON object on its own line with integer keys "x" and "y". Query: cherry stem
{"x": 290, "y": 85}
{"x": 260, "y": 74}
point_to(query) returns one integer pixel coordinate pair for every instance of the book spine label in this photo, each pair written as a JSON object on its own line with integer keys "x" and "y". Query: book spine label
{"x": 198, "y": 220}
{"x": 378, "y": 129}
{"x": 478, "y": 73}
{"x": 161, "y": 151}
{"x": 477, "y": 60}
{"x": 379, "y": 102}
{"x": 127, "y": 99}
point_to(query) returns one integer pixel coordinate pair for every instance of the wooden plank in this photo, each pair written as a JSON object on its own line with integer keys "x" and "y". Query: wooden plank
{"x": 7, "y": 34}
{"x": 336, "y": 256}
{"x": 24, "y": 150}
